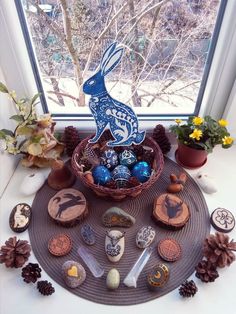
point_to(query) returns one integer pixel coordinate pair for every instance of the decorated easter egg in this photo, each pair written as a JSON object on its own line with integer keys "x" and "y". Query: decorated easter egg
{"x": 142, "y": 171}
{"x": 121, "y": 175}
{"x": 101, "y": 175}
{"x": 127, "y": 158}
{"x": 109, "y": 159}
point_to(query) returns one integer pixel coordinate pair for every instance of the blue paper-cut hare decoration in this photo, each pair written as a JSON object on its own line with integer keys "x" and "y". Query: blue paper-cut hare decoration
{"x": 108, "y": 112}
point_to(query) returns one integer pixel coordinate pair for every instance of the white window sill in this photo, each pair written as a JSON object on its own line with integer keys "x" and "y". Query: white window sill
{"x": 220, "y": 165}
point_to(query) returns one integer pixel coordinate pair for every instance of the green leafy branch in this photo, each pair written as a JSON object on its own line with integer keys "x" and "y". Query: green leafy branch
{"x": 26, "y": 120}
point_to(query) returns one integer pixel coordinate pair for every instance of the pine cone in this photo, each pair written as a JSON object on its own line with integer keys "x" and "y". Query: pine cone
{"x": 188, "y": 289}
{"x": 45, "y": 287}
{"x": 111, "y": 184}
{"x": 133, "y": 181}
{"x": 71, "y": 139}
{"x": 139, "y": 151}
{"x": 159, "y": 135}
{"x": 218, "y": 250}
{"x": 148, "y": 156}
{"x": 206, "y": 271}
{"x": 31, "y": 272}
{"x": 15, "y": 252}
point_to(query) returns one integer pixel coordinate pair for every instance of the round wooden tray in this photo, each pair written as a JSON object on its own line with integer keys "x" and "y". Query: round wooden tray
{"x": 190, "y": 238}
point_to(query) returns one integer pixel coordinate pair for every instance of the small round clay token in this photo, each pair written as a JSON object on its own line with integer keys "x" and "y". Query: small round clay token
{"x": 222, "y": 220}
{"x": 169, "y": 250}
{"x": 60, "y": 244}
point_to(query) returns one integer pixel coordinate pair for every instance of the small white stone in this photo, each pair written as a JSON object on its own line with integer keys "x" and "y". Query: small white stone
{"x": 32, "y": 183}
{"x": 113, "y": 279}
{"x": 206, "y": 183}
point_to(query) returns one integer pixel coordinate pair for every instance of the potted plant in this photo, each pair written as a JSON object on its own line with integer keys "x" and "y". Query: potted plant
{"x": 33, "y": 136}
{"x": 197, "y": 137}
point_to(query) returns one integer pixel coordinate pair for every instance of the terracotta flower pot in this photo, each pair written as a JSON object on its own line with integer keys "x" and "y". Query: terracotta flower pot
{"x": 190, "y": 157}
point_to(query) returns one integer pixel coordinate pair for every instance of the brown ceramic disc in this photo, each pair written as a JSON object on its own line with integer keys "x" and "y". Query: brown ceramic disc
{"x": 158, "y": 276}
{"x": 60, "y": 244}
{"x": 222, "y": 220}
{"x": 68, "y": 207}
{"x": 169, "y": 250}
{"x": 20, "y": 217}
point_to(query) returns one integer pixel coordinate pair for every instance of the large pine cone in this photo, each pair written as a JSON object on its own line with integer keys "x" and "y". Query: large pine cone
{"x": 159, "y": 135}
{"x": 15, "y": 252}
{"x": 71, "y": 139}
{"x": 31, "y": 272}
{"x": 188, "y": 289}
{"x": 45, "y": 287}
{"x": 206, "y": 271}
{"x": 218, "y": 249}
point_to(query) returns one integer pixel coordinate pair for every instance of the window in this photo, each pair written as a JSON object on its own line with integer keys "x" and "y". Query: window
{"x": 168, "y": 50}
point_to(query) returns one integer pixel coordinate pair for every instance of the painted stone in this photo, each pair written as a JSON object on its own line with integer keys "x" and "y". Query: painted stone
{"x": 121, "y": 175}
{"x": 113, "y": 279}
{"x": 114, "y": 245}
{"x": 73, "y": 274}
{"x": 142, "y": 171}
{"x": 117, "y": 217}
{"x": 101, "y": 175}
{"x": 32, "y": 183}
{"x": 109, "y": 159}
{"x": 20, "y": 217}
{"x": 158, "y": 277}
{"x": 145, "y": 237}
{"x": 88, "y": 234}
{"x": 127, "y": 158}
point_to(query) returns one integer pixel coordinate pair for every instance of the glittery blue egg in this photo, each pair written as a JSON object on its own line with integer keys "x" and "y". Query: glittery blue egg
{"x": 101, "y": 175}
{"x": 121, "y": 175}
{"x": 109, "y": 159}
{"x": 127, "y": 158}
{"x": 142, "y": 171}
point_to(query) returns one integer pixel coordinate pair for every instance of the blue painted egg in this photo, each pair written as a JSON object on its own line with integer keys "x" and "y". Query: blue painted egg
{"x": 127, "y": 158}
{"x": 121, "y": 175}
{"x": 101, "y": 175}
{"x": 109, "y": 159}
{"x": 142, "y": 171}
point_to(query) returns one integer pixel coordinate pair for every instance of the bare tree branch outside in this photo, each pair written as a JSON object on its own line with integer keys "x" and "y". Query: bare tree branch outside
{"x": 166, "y": 44}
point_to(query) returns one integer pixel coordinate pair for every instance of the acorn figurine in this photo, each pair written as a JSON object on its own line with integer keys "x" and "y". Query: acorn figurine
{"x": 177, "y": 182}
{"x": 60, "y": 176}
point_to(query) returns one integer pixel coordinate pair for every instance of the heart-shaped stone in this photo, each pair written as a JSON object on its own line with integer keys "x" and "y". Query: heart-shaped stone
{"x": 73, "y": 271}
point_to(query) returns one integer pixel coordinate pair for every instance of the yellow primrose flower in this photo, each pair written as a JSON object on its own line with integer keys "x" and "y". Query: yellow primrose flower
{"x": 223, "y": 122}
{"x": 197, "y": 134}
{"x": 227, "y": 140}
{"x": 198, "y": 120}
{"x": 178, "y": 121}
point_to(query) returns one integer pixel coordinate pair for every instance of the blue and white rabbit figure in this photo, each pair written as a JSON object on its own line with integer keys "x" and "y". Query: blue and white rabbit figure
{"x": 108, "y": 112}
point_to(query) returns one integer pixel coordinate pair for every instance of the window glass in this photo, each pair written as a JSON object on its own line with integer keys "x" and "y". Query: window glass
{"x": 166, "y": 46}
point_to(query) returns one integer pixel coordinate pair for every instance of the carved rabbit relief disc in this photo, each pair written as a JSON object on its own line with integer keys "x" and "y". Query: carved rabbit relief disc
{"x": 67, "y": 207}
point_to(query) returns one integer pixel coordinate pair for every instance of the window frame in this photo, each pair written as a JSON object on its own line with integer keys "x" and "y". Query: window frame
{"x": 15, "y": 44}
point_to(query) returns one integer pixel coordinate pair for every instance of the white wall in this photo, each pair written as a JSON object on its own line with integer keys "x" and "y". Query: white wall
{"x": 8, "y": 163}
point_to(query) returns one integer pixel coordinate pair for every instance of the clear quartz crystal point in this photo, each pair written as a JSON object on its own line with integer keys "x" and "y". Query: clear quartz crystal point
{"x": 132, "y": 277}
{"x": 90, "y": 261}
